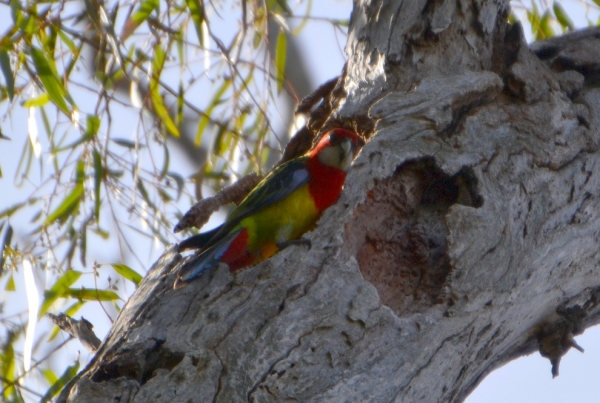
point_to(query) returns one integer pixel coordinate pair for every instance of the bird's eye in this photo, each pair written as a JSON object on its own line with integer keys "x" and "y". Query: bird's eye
{"x": 333, "y": 137}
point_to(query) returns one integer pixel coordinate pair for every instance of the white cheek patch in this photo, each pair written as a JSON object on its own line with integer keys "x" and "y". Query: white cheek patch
{"x": 329, "y": 156}
{"x": 347, "y": 158}
{"x": 338, "y": 156}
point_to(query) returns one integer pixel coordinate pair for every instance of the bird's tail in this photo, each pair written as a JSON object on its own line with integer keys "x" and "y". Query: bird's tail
{"x": 207, "y": 259}
{"x": 198, "y": 241}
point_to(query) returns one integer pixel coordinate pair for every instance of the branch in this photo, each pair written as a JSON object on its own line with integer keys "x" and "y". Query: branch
{"x": 80, "y": 329}
{"x": 200, "y": 212}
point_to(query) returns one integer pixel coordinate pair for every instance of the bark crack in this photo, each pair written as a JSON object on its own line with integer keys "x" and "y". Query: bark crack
{"x": 282, "y": 357}
{"x": 222, "y": 374}
{"x": 425, "y": 365}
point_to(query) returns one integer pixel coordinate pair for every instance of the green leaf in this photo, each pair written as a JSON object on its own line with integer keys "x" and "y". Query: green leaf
{"x": 50, "y": 41}
{"x": 67, "y": 41}
{"x": 48, "y": 129}
{"x": 16, "y": 13}
{"x": 93, "y": 125}
{"x": 180, "y": 182}
{"x": 597, "y": 2}
{"x": 73, "y": 61}
{"x": 83, "y": 242}
{"x": 280, "y": 57}
{"x": 25, "y": 163}
{"x": 546, "y": 30}
{"x": 53, "y": 333}
{"x": 180, "y": 103}
{"x": 218, "y": 146}
{"x": 115, "y": 173}
{"x": 157, "y": 100}
{"x": 205, "y": 119}
{"x": 8, "y": 74}
{"x": 30, "y": 25}
{"x": 533, "y": 16}
{"x": 143, "y": 12}
{"x": 72, "y": 310}
{"x": 562, "y": 17}
{"x": 158, "y": 62}
{"x": 178, "y": 36}
{"x": 49, "y": 376}
{"x": 59, "y": 290}
{"x": 38, "y": 101}
{"x": 128, "y": 273}
{"x": 98, "y": 177}
{"x": 162, "y": 112}
{"x": 85, "y": 294}
{"x": 279, "y": 6}
{"x": 36, "y": 216}
{"x": 57, "y": 386}
{"x": 7, "y": 365}
{"x": 10, "y": 284}
{"x": 50, "y": 80}
{"x": 14, "y": 208}
{"x": 101, "y": 233}
{"x": 166, "y": 162}
{"x": 164, "y": 195}
{"x": 5, "y": 242}
{"x": 68, "y": 206}
{"x": 306, "y": 19}
{"x": 83, "y": 139}
{"x": 91, "y": 129}
{"x": 144, "y": 193}
{"x": 197, "y": 16}
{"x": 127, "y": 143}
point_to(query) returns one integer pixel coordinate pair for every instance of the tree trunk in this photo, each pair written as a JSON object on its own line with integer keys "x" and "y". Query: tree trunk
{"x": 466, "y": 236}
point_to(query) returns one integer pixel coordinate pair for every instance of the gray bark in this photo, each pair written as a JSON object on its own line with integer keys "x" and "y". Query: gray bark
{"x": 467, "y": 234}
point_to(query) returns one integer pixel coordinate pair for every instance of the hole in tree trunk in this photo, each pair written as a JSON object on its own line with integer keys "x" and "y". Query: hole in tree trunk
{"x": 399, "y": 233}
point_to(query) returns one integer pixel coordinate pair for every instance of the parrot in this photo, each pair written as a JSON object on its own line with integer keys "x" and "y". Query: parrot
{"x": 287, "y": 203}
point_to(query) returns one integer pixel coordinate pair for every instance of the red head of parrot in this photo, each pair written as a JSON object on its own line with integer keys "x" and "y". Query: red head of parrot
{"x": 284, "y": 205}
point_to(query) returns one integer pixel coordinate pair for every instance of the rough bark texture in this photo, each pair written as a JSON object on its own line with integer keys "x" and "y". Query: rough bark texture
{"x": 467, "y": 234}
